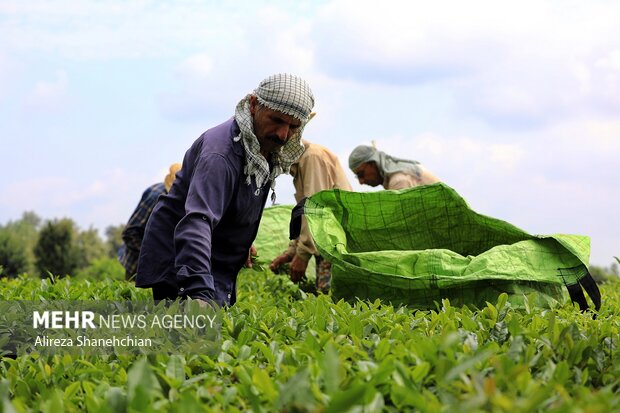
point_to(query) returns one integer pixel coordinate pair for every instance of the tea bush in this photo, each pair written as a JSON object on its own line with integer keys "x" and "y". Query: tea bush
{"x": 287, "y": 350}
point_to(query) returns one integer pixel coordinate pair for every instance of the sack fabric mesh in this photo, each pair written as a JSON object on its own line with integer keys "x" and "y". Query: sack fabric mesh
{"x": 272, "y": 238}
{"x": 420, "y": 245}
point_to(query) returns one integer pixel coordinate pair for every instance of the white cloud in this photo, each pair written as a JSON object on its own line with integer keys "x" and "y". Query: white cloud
{"x": 592, "y": 136}
{"x": 111, "y": 29}
{"x": 145, "y": 28}
{"x": 460, "y": 33}
{"x": 49, "y": 96}
{"x": 460, "y": 153}
{"x": 28, "y": 194}
{"x": 7, "y": 71}
{"x": 509, "y": 156}
{"x": 611, "y": 61}
{"x": 515, "y": 105}
{"x": 429, "y": 40}
{"x": 513, "y": 64}
{"x": 208, "y": 82}
{"x": 198, "y": 65}
{"x": 109, "y": 197}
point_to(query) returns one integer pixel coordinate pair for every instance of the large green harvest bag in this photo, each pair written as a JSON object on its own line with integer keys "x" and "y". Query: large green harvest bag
{"x": 272, "y": 237}
{"x": 420, "y": 245}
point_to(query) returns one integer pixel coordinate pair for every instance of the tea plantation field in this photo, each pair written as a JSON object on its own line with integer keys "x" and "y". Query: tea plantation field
{"x": 285, "y": 350}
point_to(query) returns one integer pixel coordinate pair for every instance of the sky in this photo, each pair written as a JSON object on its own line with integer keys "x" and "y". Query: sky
{"x": 515, "y": 105}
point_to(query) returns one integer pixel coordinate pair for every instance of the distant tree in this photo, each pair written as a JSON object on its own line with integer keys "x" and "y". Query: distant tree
{"x": 89, "y": 247}
{"x": 31, "y": 219}
{"x": 13, "y": 257}
{"x": 23, "y": 234}
{"x": 26, "y": 232}
{"x": 601, "y": 274}
{"x": 55, "y": 250}
{"x": 114, "y": 238}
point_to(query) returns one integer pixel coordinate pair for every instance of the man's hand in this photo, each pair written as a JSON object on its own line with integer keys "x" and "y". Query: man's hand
{"x": 298, "y": 268}
{"x": 251, "y": 254}
{"x": 280, "y": 260}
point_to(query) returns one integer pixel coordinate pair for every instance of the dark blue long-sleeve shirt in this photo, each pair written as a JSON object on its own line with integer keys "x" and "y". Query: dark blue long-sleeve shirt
{"x": 199, "y": 234}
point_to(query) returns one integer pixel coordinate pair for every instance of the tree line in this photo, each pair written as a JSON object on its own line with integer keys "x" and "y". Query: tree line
{"x": 31, "y": 245}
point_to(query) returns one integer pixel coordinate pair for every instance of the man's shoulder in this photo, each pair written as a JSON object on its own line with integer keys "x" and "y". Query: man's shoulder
{"x": 219, "y": 139}
{"x": 155, "y": 189}
{"x": 224, "y": 129}
{"x": 150, "y": 196}
{"x": 217, "y": 145}
{"x": 314, "y": 149}
{"x": 399, "y": 180}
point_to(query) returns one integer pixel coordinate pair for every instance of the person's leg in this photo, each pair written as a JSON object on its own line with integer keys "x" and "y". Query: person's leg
{"x": 323, "y": 275}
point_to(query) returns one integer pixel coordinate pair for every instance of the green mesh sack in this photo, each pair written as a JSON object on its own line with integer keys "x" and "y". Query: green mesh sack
{"x": 272, "y": 237}
{"x": 420, "y": 245}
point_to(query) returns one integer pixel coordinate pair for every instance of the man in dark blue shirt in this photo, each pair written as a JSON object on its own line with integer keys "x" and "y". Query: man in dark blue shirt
{"x": 200, "y": 233}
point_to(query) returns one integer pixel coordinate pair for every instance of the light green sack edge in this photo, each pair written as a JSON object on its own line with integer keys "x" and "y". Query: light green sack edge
{"x": 272, "y": 238}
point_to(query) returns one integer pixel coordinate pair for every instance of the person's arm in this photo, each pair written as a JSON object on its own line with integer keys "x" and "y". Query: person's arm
{"x": 208, "y": 197}
{"x": 316, "y": 175}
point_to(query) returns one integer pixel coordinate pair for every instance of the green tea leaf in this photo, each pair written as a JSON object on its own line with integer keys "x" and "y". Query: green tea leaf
{"x": 175, "y": 367}
{"x": 330, "y": 369}
{"x": 345, "y": 400}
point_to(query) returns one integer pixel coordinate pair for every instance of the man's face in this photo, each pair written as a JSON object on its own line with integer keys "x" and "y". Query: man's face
{"x": 368, "y": 174}
{"x": 272, "y": 128}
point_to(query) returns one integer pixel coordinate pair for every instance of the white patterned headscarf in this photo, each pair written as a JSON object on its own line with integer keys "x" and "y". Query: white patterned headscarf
{"x": 387, "y": 164}
{"x": 284, "y": 93}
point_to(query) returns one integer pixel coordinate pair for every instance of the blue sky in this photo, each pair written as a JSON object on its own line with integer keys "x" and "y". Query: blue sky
{"x": 516, "y": 106}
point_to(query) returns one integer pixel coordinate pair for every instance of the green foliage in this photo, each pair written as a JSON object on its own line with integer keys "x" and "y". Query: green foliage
{"x": 88, "y": 247}
{"x": 13, "y": 258}
{"x": 102, "y": 269}
{"x": 63, "y": 248}
{"x": 284, "y": 350}
{"x": 70, "y": 288}
{"x": 114, "y": 239}
{"x": 17, "y": 245}
{"x": 55, "y": 251}
{"x": 605, "y": 274}
{"x": 75, "y": 249}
